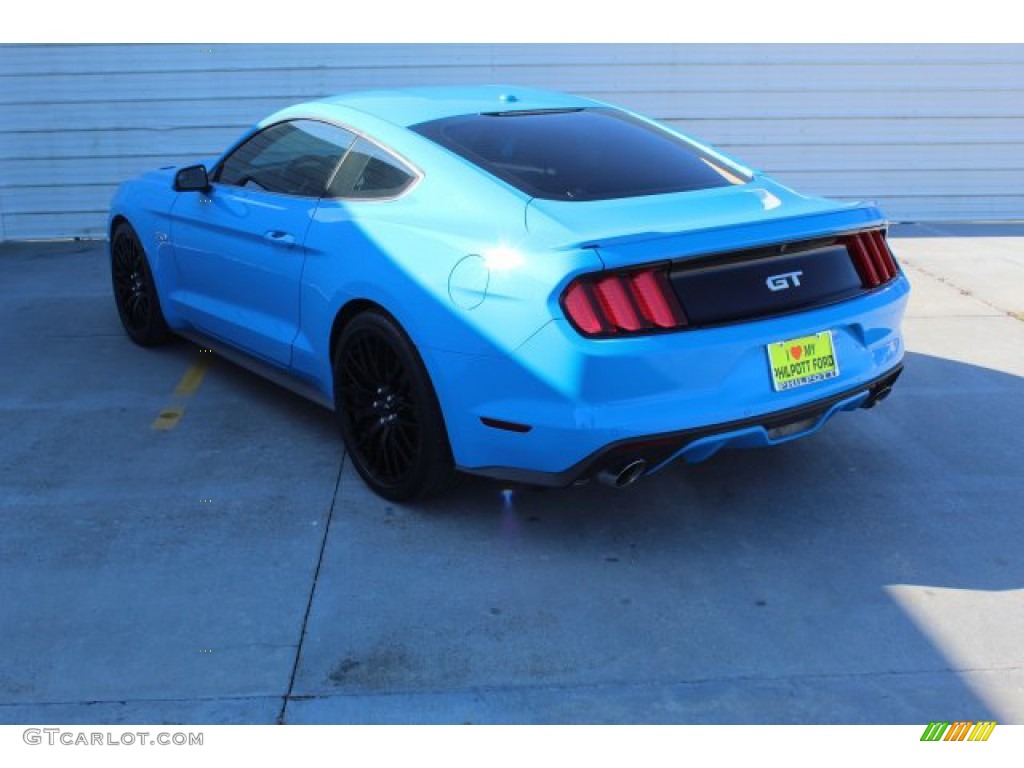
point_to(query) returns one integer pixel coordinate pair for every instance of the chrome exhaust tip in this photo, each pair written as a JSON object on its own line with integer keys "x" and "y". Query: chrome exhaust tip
{"x": 624, "y": 476}
{"x": 878, "y": 396}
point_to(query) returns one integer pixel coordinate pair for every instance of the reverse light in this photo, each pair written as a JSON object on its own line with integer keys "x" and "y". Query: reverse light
{"x": 623, "y": 303}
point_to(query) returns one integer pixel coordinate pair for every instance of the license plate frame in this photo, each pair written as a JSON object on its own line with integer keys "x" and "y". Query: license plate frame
{"x": 802, "y": 360}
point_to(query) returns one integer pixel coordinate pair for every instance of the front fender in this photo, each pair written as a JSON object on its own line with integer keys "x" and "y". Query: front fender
{"x": 145, "y": 203}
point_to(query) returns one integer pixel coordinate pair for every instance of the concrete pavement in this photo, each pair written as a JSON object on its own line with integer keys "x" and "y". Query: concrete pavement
{"x": 235, "y": 569}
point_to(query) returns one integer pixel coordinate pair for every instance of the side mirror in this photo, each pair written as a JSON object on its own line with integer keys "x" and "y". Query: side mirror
{"x": 192, "y": 179}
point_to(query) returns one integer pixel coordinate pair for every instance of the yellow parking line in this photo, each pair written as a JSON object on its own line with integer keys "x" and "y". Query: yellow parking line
{"x": 169, "y": 417}
{"x": 192, "y": 379}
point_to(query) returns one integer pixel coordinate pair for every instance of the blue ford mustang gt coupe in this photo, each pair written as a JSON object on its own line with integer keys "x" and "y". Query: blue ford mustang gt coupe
{"x": 514, "y": 283}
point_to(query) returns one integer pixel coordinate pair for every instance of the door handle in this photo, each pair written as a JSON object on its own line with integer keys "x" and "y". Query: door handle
{"x": 279, "y": 237}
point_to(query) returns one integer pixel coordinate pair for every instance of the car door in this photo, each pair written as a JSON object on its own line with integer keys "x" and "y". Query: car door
{"x": 239, "y": 248}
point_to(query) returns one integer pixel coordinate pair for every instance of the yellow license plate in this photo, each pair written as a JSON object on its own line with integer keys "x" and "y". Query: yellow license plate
{"x": 802, "y": 361}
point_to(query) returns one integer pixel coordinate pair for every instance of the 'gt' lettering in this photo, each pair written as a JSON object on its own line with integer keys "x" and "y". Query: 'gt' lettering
{"x": 784, "y": 281}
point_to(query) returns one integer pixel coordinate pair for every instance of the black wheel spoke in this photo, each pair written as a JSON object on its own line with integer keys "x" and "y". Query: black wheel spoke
{"x": 364, "y": 415}
{"x": 379, "y": 447}
{"x": 404, "y": 444}
{"x": 387, "y": 456}
{"x": 358, "y": 393}
{"x": 358, "y": 370}
{"x": 122, "y": 257}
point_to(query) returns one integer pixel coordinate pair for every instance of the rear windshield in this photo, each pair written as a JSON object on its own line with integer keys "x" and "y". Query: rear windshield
{"x": 579, "y": 154}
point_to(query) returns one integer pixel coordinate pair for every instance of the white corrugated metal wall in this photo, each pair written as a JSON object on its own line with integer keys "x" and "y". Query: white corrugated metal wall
{"x": 930, "y": 131}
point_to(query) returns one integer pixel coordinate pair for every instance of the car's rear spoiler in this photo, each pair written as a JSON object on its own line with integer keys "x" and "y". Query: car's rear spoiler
{"x": 640, "y": 230}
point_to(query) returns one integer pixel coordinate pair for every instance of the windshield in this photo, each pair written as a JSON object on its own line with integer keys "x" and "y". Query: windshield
{"x": 579, "y": 154}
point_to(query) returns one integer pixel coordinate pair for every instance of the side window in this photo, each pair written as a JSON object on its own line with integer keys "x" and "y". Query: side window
{"x": 370, "y": 172}
{"x": 292, "y": 158}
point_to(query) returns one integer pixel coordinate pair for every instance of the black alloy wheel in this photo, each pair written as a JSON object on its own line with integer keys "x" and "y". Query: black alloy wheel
{"x": 134, "y": 291}
{"x": 388, "y": 411}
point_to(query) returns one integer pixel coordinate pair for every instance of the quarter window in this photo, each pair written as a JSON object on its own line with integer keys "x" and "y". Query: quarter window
{"x": 298, "y": 157}
{"x": 369, "y": 172}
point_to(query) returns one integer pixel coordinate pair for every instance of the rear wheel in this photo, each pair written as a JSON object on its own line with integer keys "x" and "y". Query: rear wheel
{"x": 134, "y": 290}
{"x": 387, "y": 410}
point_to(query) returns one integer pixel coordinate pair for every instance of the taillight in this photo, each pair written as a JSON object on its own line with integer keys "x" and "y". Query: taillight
{"x": 872, "y": 258}
{"x": 622, "y": 303}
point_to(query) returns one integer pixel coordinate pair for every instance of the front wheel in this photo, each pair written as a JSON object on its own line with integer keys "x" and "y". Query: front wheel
{"x": 388, "y": 412}
{"x": 135, "y": 295}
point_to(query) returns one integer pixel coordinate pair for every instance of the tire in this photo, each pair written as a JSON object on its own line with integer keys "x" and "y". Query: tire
{"x": 388, "y": 412}
{"x": 135, "y": 294}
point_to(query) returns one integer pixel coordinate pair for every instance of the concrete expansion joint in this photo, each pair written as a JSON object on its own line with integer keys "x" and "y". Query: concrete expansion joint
{"x": 312, "y": 592}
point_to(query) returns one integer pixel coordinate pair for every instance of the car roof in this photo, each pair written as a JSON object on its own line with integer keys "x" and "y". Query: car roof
{"x": 409, "y": 106}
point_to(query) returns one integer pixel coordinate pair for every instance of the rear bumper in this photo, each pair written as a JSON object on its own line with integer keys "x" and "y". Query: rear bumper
{"x": 695, "y": 445}
{"x": 579, "y": 404}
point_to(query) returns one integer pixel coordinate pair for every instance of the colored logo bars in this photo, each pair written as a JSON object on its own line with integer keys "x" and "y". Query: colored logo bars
{"x": 961, "y": 730}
